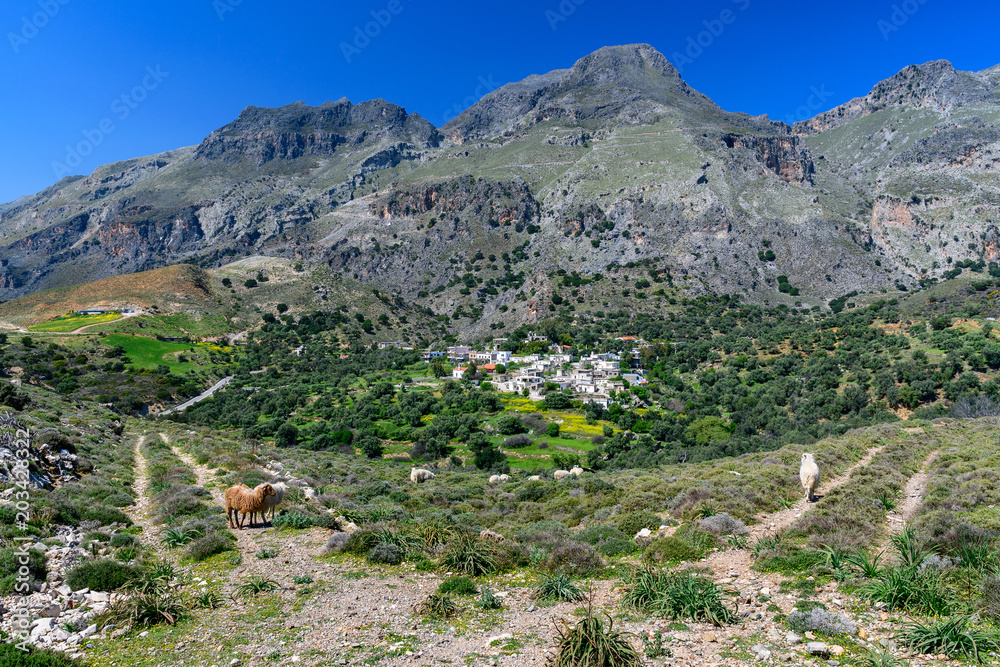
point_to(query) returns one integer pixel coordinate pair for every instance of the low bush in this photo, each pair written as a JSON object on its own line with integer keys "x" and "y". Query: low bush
{"x": 596, "y": 534}
{"x": 12, "y": 656}
{"x": 123, "y": 540}
{"x": 336, "y": 543}
{"x": 385, "y": 554}
{"x": 632, "y": 522}
{"x": 820, "y": 620}
{"x": 614, "y": 546}
{"x": 458, "y": 586}
{"x": 910, "y": 589}
{"x": 292, "y": 520}
{"x": 10, "y": 564}
{"x": 103, "y": 574}
{"x": 119, "y": 500}
{"x": 575, "y": 558}
{"x": 517, "y": 442}
{"x": 671, "y": 549}
{"x": 209, "y": 545}
{"x": 723, "y": 524}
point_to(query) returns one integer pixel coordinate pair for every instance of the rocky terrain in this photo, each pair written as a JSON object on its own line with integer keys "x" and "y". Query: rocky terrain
{"x": 614, "y": 161}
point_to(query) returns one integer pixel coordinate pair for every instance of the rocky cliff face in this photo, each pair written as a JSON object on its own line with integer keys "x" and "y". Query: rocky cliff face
{"x": 613, "y": 164}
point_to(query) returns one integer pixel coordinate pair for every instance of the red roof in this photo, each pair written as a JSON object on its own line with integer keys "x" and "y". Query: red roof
{"x": 488, "y": 367}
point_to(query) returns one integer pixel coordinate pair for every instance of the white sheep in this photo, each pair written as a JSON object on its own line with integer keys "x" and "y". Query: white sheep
{"x": 560, "y": 474}
{"x": 418, "y": 475}
{"x": 271, "y": 502}
{"x": 494, "y": 479}
{"x": 809, "y": 476}
{"x": 535, "y": 478}
{"x": 576, "y": 470}
{"x": 504, "y": 479}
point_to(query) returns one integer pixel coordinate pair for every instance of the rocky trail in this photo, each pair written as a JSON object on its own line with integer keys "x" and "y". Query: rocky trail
{"x": 141, "y": 511}
{"x": 913, "y": 499}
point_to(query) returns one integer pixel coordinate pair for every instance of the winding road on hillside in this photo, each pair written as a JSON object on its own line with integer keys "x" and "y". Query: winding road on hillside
{"x": 200, "y": 397}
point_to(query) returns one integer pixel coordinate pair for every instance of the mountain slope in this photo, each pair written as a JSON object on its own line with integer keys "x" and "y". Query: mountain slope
{"x": 615, "y": 162}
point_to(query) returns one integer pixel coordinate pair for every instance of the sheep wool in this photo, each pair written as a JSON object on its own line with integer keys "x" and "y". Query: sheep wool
{"x": 270, "y": 502}
{"x": 241, "y": 500}
{"x": 535, "y": 478}
{"x": 809, "y": 476}
{"x": 494, "y": 479}
{"x": 560, "y": 474}
{"x": 576, "y": 470}
{"x": 418, "y": 475}
{"x": 504, "y": 479}
{"x": 488, "y": 534}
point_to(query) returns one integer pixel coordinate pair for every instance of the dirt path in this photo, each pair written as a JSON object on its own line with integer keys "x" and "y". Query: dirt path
{"x": 246, "y": 539}
{"x": 737, "y": 562}
{"x": 140, "y": 512}
{"x": 778, "y": 521}
{"x": 913, "y": 500}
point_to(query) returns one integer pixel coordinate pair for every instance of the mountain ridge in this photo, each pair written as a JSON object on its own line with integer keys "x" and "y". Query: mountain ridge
{"x": 613, "y": 161}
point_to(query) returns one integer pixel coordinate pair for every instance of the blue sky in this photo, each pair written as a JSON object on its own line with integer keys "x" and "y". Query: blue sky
{"x": 128, "y": 79}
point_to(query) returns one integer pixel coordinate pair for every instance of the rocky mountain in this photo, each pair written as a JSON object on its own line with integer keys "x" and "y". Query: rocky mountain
{"x": 612, "y": 169}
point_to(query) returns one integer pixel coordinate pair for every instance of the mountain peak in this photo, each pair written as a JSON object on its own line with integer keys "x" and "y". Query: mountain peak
{"x": 935, "y": 85}
{"x": 612, "y": 64}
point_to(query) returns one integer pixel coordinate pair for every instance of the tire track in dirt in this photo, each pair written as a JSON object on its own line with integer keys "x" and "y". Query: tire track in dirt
{"x": 740, "y": 560}
{"x": 140, "y": 512}
{"x": 913, "y": 500}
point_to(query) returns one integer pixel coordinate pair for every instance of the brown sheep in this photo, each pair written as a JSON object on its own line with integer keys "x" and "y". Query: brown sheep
{"x": 241, "y": 499}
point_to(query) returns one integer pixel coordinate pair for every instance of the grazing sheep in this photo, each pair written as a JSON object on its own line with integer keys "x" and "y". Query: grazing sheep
{"x": 270, "y": 502}
{"x": 504, "y": 479}
{"x": 241, "y": 500}
{"x": 809, "y": 476}
{"x": 576, "y": 470}
{"x": 560, "y": 474}
{"x": 488, "y": 534}
{"x": 494, "y": 479}
{"x": 418, "y": 475}
{"x": 535, "y": 478}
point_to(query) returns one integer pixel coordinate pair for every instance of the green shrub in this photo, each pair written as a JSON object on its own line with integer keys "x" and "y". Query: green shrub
{"x": 292, "y": 520}
{"x": 677, "y": 595}
{"x": 458, "y": 586}
{"x": 596, "y": 534}
{"x": 533, "y": 492}
{"x": 953, "y": 637}
{"x": 11, "y": 656}
{"x": 123, "y": 540}
{"x": 10, "y": 564}
{"x": 558, "y": 587}
{"x": 119, "y": 500}
{"x": 103, "y": 574}
{"x": 614, "y": 546}
{"x": 472, "y": 556}
{"x": 489, "y": 600}
{"x": 910, "y": 589}
{"x": 209, "y": 545}
{"x": 106, "y": 515}
{"x": 670, "y": 549}
{"x": 632, "y": 522}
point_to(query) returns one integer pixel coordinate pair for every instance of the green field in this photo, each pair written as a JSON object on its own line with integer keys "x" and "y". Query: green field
{"x": 72, "y": 322}
{"x": 148, "y": 353}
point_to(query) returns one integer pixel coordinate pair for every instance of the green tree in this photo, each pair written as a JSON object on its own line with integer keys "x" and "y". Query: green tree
{"x": 282, "y": 307}
{"x": 707, "y": 430}
{"x": 250, "y": 283}
{"x": 287, "y": 435}
{"x": 552, "y": 430}
{"x": 485, "y": 455}
{"x": 437, "y": 368}
{"x": 371, "y": 446}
